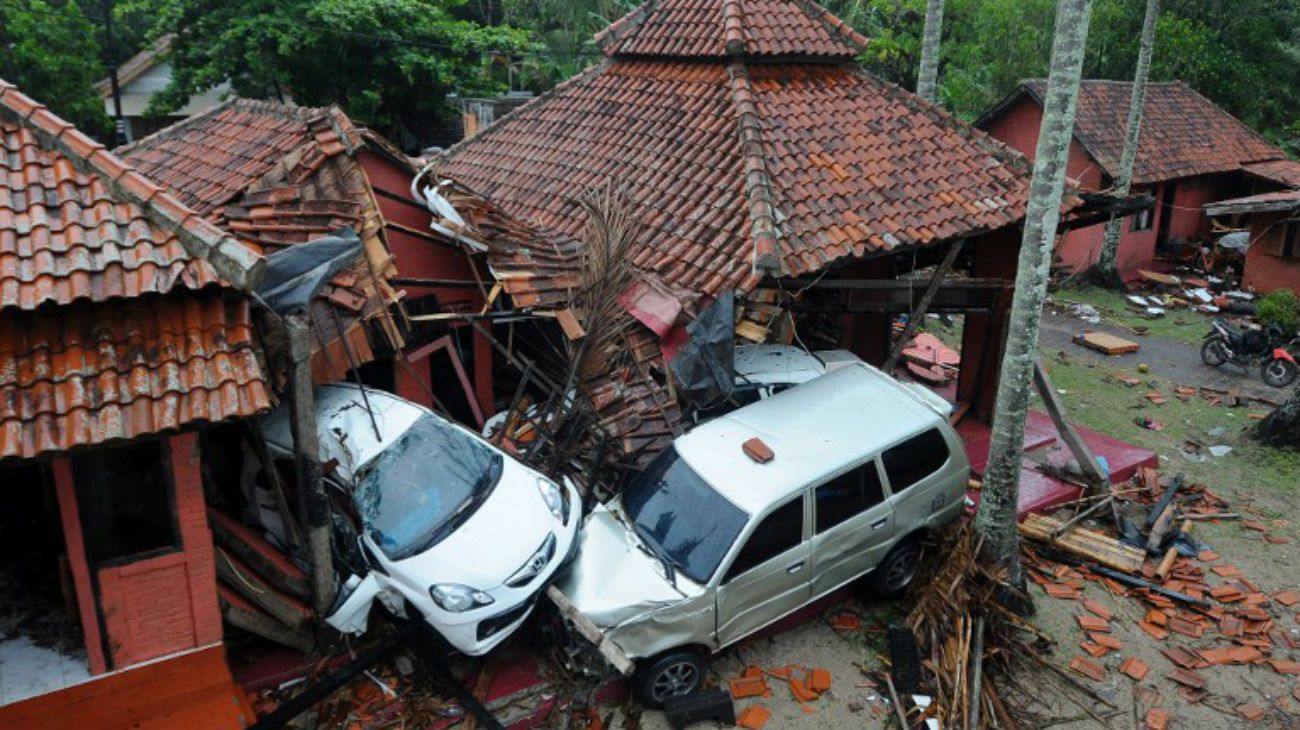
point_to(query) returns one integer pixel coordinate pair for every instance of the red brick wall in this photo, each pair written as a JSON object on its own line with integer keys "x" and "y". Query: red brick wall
{"x": 1264, "y": 271}
{"x": 168, "y": 603}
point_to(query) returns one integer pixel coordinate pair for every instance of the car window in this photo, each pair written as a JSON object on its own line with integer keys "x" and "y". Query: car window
{"x": 915, "y": 459}
{"x": 740, "y": 397}
{"x": 778, "y": 532}
{"x": 848, "y": 495}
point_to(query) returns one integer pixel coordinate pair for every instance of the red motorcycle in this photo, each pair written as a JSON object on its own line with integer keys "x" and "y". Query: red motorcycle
{"x": 1246, "y": 348}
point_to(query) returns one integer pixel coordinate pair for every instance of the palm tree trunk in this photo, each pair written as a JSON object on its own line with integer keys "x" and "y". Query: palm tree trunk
{"x": 929, "y": 71}
{"x": 996, "y": 520}
{"x": 1106, "y": 271}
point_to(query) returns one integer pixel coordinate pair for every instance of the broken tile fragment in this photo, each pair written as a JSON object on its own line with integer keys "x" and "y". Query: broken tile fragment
{"x": 1154, "y": 631}
{"x": 743, "y": 687}
{"x": 1157, "y": 719}
{"x": 1092, "y": 623}
{"x": 1207, "y": 556}
{"x": 1187, "y": 678}
{"x": 1250, "y": 712}
{"x": 1281, "y": 666}
{"x": 753, "y": 717}
{"x": 1226, "y": 571}
{"x": 1287, "y": 598}
{"x": 1098, "y": 610}
{"x": 1134, "y": 668}
{"x": 1088, "y": 668}
{"x": 819, "y": 680}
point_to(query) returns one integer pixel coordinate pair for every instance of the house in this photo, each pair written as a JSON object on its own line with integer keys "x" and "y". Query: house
{"x": 1190, "y": 153}
{"x": 275, "y": 174}
{"x": 126, "y": 329}
{"x": 760, "y": 161}
{"x": 138, "y": 79}
{"x": 477, "y": 114}
{"x": 1273, "y": 240}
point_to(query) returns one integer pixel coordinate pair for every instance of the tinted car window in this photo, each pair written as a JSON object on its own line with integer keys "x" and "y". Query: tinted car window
{"x": 915, "y": 459}
{"x": 686, "y": 521}
{"x": 848, "y": 495}
{"x": 778, "y": 532}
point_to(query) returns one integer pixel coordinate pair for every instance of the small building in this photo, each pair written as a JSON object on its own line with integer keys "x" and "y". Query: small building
{"x": 759, "y": 160}
{"x": 477, "y": 114}
{"x": 1190, "y": 153}
{"x": 142, "y": 76}
{"x": 119, "y": 341}
{"x": 1273, "y": 241}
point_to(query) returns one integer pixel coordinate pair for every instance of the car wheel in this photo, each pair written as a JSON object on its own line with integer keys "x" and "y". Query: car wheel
{"x": 896, "y": 572}
{"x": 1213, "y": 352}
{"x": 1279, "y": 373}
{"x": 672, "y": 673}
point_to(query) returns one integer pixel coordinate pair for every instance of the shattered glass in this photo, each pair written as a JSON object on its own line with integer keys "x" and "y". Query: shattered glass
{"x": 691, "y": 524}
{"x": 424, "y": 486}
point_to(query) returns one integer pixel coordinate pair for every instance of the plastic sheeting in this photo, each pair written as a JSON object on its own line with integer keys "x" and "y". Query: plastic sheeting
{"x": 295, "y": 274}
{"x": 704, "y": 369}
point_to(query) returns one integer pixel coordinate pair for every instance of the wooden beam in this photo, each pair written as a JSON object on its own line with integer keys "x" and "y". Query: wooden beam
{"x": 918, "y": 314}
{"x": 312, "y": 500}
{"x": 1083, "y": 454}
{"x": 891, "y": 284}
{"x": 607, "y": 648}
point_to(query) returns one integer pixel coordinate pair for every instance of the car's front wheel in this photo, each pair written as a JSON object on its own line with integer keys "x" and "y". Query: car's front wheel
{"x": 896, "y": 572}
{"x": 670, "y": 674}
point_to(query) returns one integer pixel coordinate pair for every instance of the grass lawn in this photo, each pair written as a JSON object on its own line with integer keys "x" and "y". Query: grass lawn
{"x": 1095, "y": 398}
{"x": 1183, "y": 325}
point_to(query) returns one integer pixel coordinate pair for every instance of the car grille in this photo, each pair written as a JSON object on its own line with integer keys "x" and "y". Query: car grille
{"x": 535, "y": 564}
{"x": 490, "y": 627}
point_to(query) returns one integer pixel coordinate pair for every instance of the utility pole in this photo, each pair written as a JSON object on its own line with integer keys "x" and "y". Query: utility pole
{"x": 119, "y": 122}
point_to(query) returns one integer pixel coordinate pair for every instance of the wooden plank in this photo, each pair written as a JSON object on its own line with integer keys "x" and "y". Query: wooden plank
{"x": 1078, "y": 447}
{"x": 918, "y": 314}
{"x": 1092, "y": 545}
{"x": 570, "y": 324}
{"x": 251, "y": 548}
{"x": 1106, "y": 343}
{"x": 607, "y": 648}
{"x": 244, "y": 615}
{"x": 250, "y": 585}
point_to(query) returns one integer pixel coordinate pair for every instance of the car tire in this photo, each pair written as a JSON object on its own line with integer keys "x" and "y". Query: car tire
{"x": 896, "y": 572}
{"x": 672, "y": 673}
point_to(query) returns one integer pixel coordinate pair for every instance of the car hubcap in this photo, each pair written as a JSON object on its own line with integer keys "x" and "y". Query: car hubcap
{"x": 676, "y": 679}
{"x": 900, "y": 572}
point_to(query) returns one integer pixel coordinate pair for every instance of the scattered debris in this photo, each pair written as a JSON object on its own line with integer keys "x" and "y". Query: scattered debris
{"x": 1106, "y": 343}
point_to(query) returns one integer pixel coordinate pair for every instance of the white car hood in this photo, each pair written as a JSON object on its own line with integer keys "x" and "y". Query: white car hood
{"x": 496, "y": 541}
{"x": 612, "y": 580}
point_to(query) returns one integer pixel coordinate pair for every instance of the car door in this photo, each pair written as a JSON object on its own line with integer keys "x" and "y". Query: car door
{"x": 919, "y": 485}
{"x": 768, "y": 576}
{"x": 853, "y": 525}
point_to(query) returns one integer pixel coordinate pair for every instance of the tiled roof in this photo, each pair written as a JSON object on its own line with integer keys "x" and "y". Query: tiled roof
{"x": 1284, "y": 172}
{"x": 112, "y": 327}
{"x": 78, "y": 223}
{"x": 720, "y": 28}
{"x": 851, "y": 164}
{"x": 89, "y": 373}
{"x": 209, "y": 160}
{"x": 1183, "y": 133}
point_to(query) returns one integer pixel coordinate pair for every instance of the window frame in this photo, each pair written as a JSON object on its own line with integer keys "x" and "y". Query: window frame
{"x": 91, "y": 526}
{"x": 1143, "y": 220}
{"x": 885, "y": 494}
{"x": 895, "y": 490}
{"x": 801, "y": 498}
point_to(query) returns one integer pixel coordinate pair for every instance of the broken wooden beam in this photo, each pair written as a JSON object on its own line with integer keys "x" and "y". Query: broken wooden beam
{"x": 1085, "y": 543}
{"x": 245, "y": 581}
{"x": 251, "y": 548}
{"x": 242, "y": 614}
{"x": 592, "y": 633}
{"x": 918, "y": 314}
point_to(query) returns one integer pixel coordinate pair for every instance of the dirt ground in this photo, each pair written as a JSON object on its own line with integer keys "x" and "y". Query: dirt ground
{"x": 1259, "y": 484}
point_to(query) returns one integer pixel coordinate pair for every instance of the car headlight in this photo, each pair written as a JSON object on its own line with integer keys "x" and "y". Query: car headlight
{"x": 553, "y": 498}
{"x": 457, "y": 598}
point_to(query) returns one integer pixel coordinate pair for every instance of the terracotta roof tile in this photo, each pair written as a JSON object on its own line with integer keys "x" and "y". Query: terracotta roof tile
{"x": 1183, "y": 133}
{"x": 112, "y": 326}
{"x": 88, "y": 373}
{"x": 720, "y": 28}
{"x": 1285, "y": 172}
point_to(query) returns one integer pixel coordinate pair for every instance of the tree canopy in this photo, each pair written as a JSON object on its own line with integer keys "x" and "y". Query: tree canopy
{"x": 1244, "y": 56}
{"x": 50, "y": 51}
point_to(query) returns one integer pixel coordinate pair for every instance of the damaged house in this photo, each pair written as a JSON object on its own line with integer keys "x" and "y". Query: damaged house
{"x": 125, "y": 329}
{"x": 758, "y": 161}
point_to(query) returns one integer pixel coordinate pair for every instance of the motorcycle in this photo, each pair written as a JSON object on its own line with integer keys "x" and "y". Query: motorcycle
{"x": 1245, "y": 348}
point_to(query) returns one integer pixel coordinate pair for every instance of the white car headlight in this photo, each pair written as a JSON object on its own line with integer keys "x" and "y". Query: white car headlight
{"x": 457, "y": 598}
{"x": 553, "y": 498}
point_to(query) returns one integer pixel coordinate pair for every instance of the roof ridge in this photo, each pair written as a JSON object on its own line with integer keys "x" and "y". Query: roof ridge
{"x": 758, "y": 181}
{"x": 835, "y": 24}
{"x": 630, "y": 21}
{"x": 232, "y": 260}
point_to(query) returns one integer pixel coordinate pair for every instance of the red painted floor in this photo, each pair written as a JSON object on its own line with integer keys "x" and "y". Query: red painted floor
{"x": 1040, "y": 492}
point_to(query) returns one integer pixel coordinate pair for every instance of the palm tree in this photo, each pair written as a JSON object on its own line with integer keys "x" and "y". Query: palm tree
{"x": 1105, "y": 271}
{"x": 996, "y": 520}
{"x": 929, "y": 71}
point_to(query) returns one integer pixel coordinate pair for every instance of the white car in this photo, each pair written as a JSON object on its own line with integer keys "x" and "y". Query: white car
{"x": 759, "y": 512}
{"x": 450, "y": 524}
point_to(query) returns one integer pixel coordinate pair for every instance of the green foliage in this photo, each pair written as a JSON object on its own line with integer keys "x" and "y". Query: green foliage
{"x": 1281, "y": 308}
{"x": 564, "y": 30}
{"x": 50, "y": 52}
{"x": 389, "y": 64}
{"x": 1244, "y": 55}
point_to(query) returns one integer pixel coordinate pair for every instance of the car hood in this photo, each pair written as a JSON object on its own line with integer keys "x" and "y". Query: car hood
{"x": 495, "y": 542}
{"x": 613, "y": 580}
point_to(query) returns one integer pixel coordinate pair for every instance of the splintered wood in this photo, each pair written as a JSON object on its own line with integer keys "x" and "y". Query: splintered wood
{"x": 1094, "y": 546}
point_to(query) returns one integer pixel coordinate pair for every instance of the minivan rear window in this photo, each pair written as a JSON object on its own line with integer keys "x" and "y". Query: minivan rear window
{"x": 915, "y": 459}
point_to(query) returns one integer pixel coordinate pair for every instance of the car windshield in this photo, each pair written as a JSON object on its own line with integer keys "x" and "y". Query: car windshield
{"x": 424, "y": 486}
{"x": 687, "y": 521}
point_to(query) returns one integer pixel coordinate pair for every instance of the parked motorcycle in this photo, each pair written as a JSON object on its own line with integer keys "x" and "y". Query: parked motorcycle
{"x": 1268, "y": 348}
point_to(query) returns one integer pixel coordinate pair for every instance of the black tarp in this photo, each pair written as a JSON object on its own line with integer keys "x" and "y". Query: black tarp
{"x": 295, "y": 274}
{"x": 704, "y": 369}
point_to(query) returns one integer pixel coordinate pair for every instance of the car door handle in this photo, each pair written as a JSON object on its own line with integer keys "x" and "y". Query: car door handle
{"x": 880, "y": 523}
{"x": 795, "y": 568}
